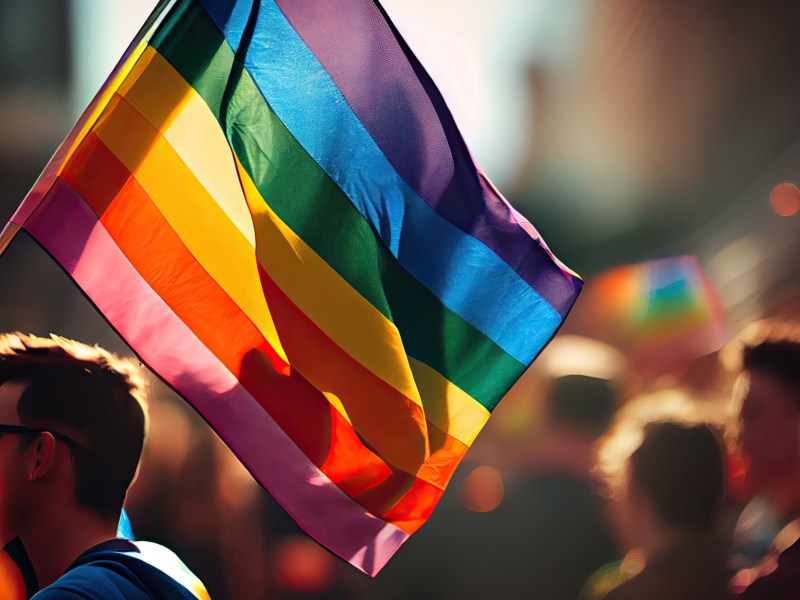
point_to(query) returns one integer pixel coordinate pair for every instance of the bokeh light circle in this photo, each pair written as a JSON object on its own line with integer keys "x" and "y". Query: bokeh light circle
{"x": 483, "y": 490}
{"x": 785, "y": 199}
{"x": 303, "y": 567}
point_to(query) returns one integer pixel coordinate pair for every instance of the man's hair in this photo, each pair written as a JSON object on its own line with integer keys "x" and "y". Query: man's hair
{"x": 779, "y": 358}
{"x": 680, "y": 468}
{"x": 583, "y": 402}
{"x": 89, "y": 395}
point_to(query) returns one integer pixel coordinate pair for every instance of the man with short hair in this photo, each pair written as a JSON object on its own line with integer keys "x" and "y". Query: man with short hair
{"x": 770, "y": 439}
{"x": 675, "y": 487}
{"x": 72, "y": 428}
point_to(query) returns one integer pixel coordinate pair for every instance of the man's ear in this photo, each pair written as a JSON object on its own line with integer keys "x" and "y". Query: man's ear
{"x": 40, "y": 455}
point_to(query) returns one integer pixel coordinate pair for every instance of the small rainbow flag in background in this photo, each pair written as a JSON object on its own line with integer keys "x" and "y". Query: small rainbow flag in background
{"x": 271, "y": 203}
{"x": 661, "y": 312}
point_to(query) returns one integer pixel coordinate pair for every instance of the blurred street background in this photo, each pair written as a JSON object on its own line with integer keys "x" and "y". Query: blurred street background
{"x": 654, "y": 144}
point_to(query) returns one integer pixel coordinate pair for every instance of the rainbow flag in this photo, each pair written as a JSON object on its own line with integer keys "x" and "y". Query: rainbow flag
{"x": 663, "y": 312}
{"x": 272, "y": 205}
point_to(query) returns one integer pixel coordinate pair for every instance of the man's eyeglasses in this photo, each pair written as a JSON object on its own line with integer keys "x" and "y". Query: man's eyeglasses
{"x": 23, "y": 430}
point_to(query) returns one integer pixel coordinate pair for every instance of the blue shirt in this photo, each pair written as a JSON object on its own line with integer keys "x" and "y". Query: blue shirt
{"x": 118, "y": 570}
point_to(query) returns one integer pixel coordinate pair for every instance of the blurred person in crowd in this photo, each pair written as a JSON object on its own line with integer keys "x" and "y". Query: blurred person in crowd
{"x": 541, "y": 536}
{"x": 72, "y": 428}
{"x": 675, "y": 485}
{"x": 770, "y": 442}
{"x": 557, "y": 520}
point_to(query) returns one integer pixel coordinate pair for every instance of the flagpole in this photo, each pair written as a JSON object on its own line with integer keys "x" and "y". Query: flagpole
{"x": 7, "y": 235}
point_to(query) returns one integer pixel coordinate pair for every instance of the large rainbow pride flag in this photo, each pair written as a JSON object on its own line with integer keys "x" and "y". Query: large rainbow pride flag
{"x": 271, "y": 203}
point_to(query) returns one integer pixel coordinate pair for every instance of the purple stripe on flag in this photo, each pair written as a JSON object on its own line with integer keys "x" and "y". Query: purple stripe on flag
{"x": 403, "y": 111}
{"x": 380, "y": 86}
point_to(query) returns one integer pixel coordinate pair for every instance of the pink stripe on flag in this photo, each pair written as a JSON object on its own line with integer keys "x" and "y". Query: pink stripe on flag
{"x": 71, "y": 232}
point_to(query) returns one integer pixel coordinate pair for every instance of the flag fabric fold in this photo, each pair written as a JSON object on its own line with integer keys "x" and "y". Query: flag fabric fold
{"x": 271, "y": 203}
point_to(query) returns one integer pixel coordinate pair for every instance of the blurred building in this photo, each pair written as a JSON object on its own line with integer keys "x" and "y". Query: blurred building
{"x": 666, "y": 133}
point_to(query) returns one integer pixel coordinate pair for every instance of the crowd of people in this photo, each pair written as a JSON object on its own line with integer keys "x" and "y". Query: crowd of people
{"x": 705, "y": 508}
